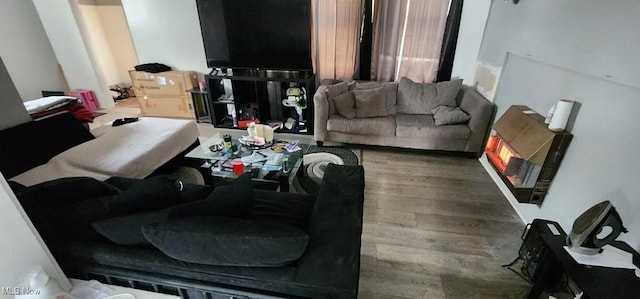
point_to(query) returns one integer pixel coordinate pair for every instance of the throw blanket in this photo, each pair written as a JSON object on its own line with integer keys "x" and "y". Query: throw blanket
{"x": 133, "y": 150}
{"x": 48, "y": 103}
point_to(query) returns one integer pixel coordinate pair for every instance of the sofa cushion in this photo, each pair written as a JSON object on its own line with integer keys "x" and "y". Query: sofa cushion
{"x": 190, "y": 192}
{"x": 370, "y": 102}
{"x": 390, "y": 89}
{"x": 367, "y": 85}
{"x": 62, "y": 192}
{"x": 445, "y": 115}
{"x": 385, "y": 126}
{"x": 234, "y": 200}
{"x": 345, "y": 104}
{"x": 227, "y": 241}
{"x": 423, "y": 126}
{"x": 283, "y": 207}
{"x": 333, "y": 91}
{"x": 127, "y": 230}
{"x": 147, "y": 195}
{"x": 420, "y": 98}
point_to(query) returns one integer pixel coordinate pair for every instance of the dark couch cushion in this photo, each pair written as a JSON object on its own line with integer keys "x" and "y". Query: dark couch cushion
{"x": 126, "y": 227}
{"x": 127, "y": 230}
{"x": 283, "y": 207}
{"x": 28, "y": 145}
{"x": 234, "y": 200}
{"x": 66, "y": 207}
{"x": 69, "y": 221}
{"x": 16, "y": 187}
{"x": 63, "y": 192}
{"x": 227, "y": 241}
{"x": 190, "y": 192}
{"x": 147, "y": 195}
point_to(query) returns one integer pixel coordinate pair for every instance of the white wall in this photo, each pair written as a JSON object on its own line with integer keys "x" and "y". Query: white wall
{"x": 97, "y": 36}
{"x": 168, "y": 32}
{"x": 21, "y": 247}
{"x": 592, "y": 37}
{"x": 26, "y": 50}
{"x": 584, "y": 50}
{"x": 116, "y": 30}
{"x": 67, "y": 33}
{"x": 12, "y": 111}
{"x": 472, "y": 24}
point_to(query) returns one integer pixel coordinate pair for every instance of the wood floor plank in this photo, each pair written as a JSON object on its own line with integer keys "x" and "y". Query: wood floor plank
{"x": 388, "y": 216}
{"x": 435, "y": 226}
{"x": 381, "y": 280}
{"x": 447, "y": 208}
{"x": 468, "y": 225}
{"x": 464, "y": 288}
{"x": 423, "y": 239}
{"x": 441, "y": 262}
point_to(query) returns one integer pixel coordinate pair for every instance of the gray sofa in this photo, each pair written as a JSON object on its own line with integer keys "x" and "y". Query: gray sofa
{"x": 408, "y": 121}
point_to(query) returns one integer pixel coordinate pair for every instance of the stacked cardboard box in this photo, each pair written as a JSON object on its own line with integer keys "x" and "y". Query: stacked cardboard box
{"x": 165, "y": 94}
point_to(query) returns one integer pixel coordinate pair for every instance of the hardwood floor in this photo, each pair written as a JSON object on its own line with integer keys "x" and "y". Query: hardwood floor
{"x": 435, "y": 226}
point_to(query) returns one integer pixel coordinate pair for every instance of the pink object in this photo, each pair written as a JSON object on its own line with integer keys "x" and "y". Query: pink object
{"x": 238, "y": 167}
{"x": 87, "y": 97}
{"x": 202, "y": 85}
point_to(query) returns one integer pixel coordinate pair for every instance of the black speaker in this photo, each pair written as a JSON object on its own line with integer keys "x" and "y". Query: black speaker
{"x": 536, "y": 256}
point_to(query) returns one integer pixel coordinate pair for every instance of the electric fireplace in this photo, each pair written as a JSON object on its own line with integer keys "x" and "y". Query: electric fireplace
{"x": 525, "y": 154}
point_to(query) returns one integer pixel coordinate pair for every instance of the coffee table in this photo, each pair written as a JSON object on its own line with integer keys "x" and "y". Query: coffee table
{"x": 271, "y": 173}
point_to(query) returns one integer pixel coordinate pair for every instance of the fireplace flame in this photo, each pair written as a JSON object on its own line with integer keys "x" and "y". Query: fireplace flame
{"x": 518, "y": 171}
{"x": 498, "y": 152}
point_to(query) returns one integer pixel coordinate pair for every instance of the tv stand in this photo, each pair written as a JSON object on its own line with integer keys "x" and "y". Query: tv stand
{"x": 261, "y": 91}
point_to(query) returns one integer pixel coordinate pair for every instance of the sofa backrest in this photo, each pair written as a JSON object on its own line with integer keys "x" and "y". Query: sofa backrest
{"x": 30, "y": 144}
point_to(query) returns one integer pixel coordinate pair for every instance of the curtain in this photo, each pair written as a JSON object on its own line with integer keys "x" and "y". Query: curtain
{"x": 336, "y": 36}
{"x": 407, "y": 39}
{"x": 450, "y": 40}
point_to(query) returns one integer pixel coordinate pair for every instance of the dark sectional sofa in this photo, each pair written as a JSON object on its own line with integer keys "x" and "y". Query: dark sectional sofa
{"x": 327, "y": 267}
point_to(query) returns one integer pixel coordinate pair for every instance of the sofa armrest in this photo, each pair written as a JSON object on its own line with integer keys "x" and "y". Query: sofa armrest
{"x": 335, "y": 229}
{"x": 482, "y": 113}
{"x": 321, "y": 114}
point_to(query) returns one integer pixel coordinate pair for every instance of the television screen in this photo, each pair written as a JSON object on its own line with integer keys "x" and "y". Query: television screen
{"x": 256, "y": 34}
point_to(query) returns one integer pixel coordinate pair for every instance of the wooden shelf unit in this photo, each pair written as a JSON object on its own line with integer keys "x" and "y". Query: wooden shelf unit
{"x": 264, "y": 90}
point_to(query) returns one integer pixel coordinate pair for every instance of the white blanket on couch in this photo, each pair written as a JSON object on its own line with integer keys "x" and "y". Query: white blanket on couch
{"x": 132, "y": 150}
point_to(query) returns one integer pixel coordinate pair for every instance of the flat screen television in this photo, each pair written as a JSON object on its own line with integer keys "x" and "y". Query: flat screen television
{"x": 256, "y": 34}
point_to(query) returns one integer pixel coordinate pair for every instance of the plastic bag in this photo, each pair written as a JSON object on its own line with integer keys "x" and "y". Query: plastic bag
{"x": 35, "y": 283}
{"x": 91, "y": 289}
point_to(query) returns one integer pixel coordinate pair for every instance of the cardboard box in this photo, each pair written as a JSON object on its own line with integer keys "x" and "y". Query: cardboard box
{"x": 171, "y": 83}
{"x": 525, "y": 132}
{"x": 165, "y": 106}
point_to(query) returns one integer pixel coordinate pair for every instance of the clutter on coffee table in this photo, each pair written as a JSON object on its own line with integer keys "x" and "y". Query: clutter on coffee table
{"x": 274, "y": 164}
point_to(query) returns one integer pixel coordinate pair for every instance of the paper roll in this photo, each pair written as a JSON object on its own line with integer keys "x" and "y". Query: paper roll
{"x": 561, "y": 115}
